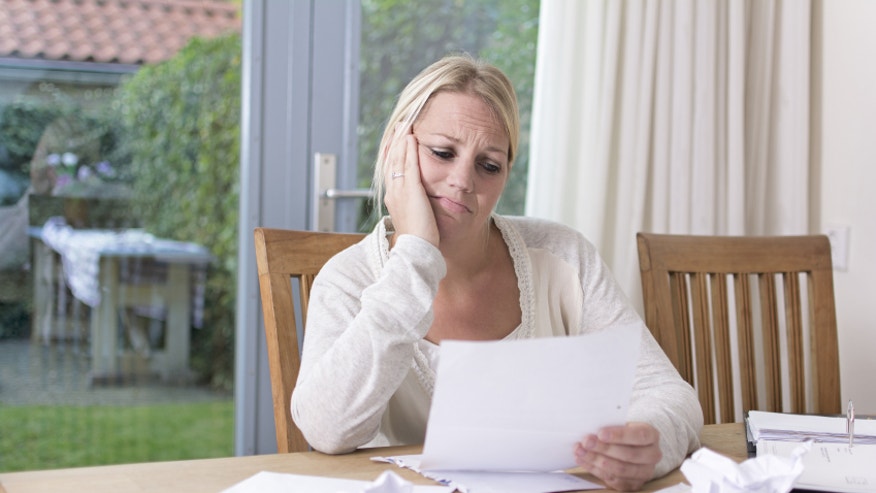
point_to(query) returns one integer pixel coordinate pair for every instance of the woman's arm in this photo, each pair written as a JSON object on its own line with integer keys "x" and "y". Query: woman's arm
{"x": 664, "y": 414}
{"x": 363, "y": 322}
{"x": 668, "y": 403}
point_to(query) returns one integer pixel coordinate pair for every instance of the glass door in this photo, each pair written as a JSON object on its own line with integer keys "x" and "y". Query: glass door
{"x": 389, "y": 41}
{"x": 118, "y": 215}
{"x": 319, "y": 81}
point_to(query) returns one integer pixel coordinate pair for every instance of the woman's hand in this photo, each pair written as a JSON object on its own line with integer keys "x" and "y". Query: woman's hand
{"x": 623, "y": 457}
{"x": 405, "y": 198}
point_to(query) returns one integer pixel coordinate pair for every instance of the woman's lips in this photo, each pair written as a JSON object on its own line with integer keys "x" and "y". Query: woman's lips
{"x": 451, "y": 205}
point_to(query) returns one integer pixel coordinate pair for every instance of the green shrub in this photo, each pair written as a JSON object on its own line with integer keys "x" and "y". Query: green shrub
{"x": 14, "y": 319}
{"x": 21, "y": 126}
{"x": 90, "y": 132}
{"x": 181, "y": 122}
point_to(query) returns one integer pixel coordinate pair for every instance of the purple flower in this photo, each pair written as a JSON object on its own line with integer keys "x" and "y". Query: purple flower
{"x": 63, "y": 180}
{"x": 84, "y": 173}
{"x": 53, "y": 159}
{"x": 104, "y": 169}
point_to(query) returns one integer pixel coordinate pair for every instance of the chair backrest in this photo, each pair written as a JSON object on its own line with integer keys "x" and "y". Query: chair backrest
{"x": 715, "y": 303}
{"x": 284, "y": 255}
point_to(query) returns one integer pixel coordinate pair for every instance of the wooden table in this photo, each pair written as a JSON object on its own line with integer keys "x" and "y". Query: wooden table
{"x": 214, "y": 475}
{"x": 162, "y": 277}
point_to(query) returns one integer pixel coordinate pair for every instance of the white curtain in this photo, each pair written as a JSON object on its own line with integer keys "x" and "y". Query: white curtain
{"x": 670, "y": 116}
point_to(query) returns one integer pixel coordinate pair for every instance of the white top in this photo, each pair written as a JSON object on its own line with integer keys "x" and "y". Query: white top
{"x": 367, "y": 373}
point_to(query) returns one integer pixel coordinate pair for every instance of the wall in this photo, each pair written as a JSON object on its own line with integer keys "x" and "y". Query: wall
{"x": 848, "y": 196}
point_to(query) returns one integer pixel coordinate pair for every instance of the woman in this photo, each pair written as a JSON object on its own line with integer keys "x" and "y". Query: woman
{"x": 442, "y": 265}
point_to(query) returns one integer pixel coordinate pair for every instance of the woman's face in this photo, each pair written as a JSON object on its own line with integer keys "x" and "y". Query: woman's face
{"x": 463, "y": 153}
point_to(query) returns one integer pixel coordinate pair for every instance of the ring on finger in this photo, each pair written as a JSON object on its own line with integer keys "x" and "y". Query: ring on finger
{"x": 397, "y": 174}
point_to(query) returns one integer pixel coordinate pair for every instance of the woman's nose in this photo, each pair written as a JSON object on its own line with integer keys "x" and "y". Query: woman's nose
{"x": 462, "y": 175}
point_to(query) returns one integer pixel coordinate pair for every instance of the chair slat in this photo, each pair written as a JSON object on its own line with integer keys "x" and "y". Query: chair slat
{"x": 769, "y": 315}
{"x": 723, "y": 358}
{"x": 794, "y": 335}
{"x": 679, "y": 342}
{"x": 305, "y": 282}
{"x": 703, "y": 344}
{"x": 823, "y": 341}
{"x": 745, "y": 336}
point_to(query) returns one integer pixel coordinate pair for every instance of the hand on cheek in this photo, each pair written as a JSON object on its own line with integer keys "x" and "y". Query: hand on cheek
{"x": 405, "y": 198}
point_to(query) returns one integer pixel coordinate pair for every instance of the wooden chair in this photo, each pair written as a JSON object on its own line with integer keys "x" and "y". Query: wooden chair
{"x": 284, "y": 255}
{"x": 703, "y": 295}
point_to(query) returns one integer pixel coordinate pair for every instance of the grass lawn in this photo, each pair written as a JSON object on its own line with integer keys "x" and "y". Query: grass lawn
{"x": 49, "y": 437}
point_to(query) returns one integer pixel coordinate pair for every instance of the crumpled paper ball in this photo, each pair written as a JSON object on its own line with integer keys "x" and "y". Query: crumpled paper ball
{"x": 710, "y": 472}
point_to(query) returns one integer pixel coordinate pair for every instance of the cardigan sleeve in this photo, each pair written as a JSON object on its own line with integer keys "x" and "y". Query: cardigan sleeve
{"x": 664, "y": 400}
{"x": 362, "y": 324}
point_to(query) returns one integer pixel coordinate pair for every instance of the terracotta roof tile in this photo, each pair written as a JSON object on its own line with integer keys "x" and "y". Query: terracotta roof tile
{"x": 109, "y": 31}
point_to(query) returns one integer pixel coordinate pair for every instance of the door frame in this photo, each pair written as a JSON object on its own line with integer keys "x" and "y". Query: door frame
{"x": 299, "y": 97}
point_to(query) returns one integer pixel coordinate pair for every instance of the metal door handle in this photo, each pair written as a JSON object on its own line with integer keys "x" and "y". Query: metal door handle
{"x": 325, "y": 177}
{"x": 359, "y": 193}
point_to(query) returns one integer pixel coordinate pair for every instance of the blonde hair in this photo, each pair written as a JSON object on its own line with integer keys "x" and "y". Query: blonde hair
{"x": 454, "y": 73}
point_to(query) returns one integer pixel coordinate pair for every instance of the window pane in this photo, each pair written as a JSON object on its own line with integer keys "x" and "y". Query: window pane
{"x": 399, "y": 38}
{"x": 118, "y": 202}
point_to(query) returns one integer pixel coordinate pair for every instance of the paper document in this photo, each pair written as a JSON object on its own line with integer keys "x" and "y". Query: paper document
{"x": 522, "y": 405}
{"x": 275, "y": 482}
{"x": 496, "y": 482}
{"x": 830, "y": 466}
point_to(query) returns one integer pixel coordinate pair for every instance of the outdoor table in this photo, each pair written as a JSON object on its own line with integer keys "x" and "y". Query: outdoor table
{"x": 97, "y": 266}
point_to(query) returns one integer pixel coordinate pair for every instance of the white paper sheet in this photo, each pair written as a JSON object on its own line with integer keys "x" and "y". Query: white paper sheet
{"x": 270, "y": 482}
{"x": 496, "y": 482}
{"x": 523, "y": 405}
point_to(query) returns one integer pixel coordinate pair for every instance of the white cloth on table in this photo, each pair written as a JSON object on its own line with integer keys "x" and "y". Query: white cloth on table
{"x": 80, "y": 252}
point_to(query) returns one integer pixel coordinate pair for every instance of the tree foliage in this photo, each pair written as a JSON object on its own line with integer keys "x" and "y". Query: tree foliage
{"x": 182, "y": 133}
{"x": 25, "y": 126}
{"x": 21, "y": 126}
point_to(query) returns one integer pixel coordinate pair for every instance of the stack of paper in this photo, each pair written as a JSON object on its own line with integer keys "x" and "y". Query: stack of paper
{"x": 798, "y": 427}
{"x": 831, "y": 464}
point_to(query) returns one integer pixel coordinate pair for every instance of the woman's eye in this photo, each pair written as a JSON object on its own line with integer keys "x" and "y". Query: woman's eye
{"x": 491, "y": 168}
{"x": 442, "y": 154}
